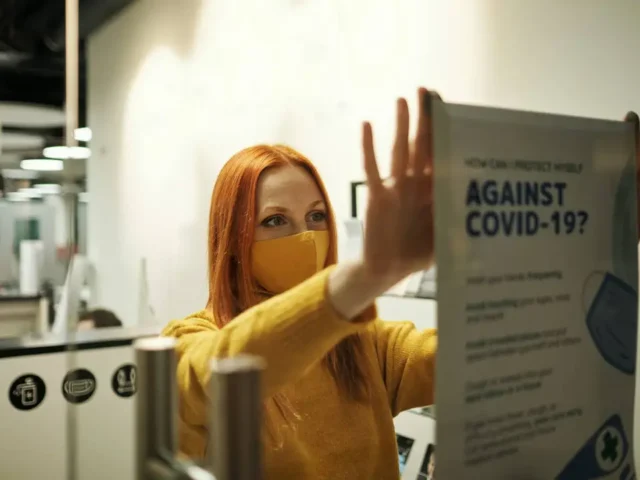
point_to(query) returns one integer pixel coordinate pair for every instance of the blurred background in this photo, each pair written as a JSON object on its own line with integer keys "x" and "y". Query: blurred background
{"x": 40, "y": 229}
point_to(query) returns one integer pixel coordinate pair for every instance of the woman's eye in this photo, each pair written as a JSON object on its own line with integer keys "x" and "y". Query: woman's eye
{"x": 318, "y": 216}
{"x": 274, "y": 221}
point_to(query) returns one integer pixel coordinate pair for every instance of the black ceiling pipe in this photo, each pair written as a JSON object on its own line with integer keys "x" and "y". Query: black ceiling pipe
{"x": 22, "y": 88}
{"x": 52, "y": 66}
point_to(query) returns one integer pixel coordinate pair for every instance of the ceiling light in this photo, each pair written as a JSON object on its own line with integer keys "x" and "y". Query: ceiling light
{"x": 21, "y": 141}
{"x": 83, "y": 134}
{"x": 63, "y": 153}
{"x": 42, "y": 165}
{"x": 17, "y": 174}
{"x": 30, "y": 192}
{"x": 48, "y": 188}
{"x": 29, "y": 115}
{"x": 17, "y": 197}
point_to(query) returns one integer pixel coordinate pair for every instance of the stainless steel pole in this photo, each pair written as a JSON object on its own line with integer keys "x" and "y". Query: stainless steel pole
{"x": 156, "y": 403}
{"x": 71, "y": 32}
{"x": 72, "y": 113}
{"x": 235, "y": 450}
{"x": 72, "y": 26}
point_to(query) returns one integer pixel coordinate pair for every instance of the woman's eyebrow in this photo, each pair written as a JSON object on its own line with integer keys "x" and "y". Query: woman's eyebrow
{"x": 316, "y": 203}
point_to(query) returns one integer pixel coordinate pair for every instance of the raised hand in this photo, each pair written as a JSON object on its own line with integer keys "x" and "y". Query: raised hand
{"x": 399, "y": 222}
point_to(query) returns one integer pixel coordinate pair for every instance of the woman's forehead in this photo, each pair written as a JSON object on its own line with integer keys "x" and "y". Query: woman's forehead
{"x": 286, "y": 185}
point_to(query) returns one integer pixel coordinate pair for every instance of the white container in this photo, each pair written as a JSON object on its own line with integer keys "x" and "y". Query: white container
{"x": 31, "y": 260}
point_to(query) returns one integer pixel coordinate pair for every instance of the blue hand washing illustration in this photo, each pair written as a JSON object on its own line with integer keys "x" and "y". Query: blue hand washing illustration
{"x": 603, "y": 454}
{"x": 612, "y": 322}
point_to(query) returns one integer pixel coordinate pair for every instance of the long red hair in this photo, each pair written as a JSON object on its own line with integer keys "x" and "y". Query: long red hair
{"x": 232, "y": 287}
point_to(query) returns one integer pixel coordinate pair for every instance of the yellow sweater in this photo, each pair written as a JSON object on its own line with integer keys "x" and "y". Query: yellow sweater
{"x": 336, "y": 438}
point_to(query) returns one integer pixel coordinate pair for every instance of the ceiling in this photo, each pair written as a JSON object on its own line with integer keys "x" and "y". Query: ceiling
{"x": 32, "y": 72}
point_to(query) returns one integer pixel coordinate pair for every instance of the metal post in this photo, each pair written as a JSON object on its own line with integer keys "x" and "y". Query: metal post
{"x": 72, "y": 114}
{"x": 156, "y": 404}
{"x": 71, "y": 32}
{"x": 72, "y": 63}
{"x": 236, "y": 418}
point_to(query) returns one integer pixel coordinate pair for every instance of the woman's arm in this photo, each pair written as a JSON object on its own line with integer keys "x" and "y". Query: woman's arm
{"x": 291, "y": 331}
{"x": 352, "y": 288}
{"x": 407, "y": 361}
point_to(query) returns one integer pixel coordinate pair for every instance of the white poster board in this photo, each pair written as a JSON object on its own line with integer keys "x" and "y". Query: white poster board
{"x": 537, "y": 302}
{"x": 415, "y": 436}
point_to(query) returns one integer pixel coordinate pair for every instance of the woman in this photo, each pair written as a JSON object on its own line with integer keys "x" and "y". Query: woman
{"x": 336, "y": 375}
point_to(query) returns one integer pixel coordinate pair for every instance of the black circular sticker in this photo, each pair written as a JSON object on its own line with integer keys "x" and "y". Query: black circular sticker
{"x": 27, "y": 392}
{"x": 123, "y": 381}
{"x": 78, "y": 385}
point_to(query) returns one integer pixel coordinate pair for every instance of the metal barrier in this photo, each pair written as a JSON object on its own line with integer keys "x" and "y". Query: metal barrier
{"x": 234, "y": 451}
{"x": 236, "y": 418}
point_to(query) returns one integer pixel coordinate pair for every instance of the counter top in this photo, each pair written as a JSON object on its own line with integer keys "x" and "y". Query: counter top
{"x": 16, "y": 297}
{"x": 85, "y": 340}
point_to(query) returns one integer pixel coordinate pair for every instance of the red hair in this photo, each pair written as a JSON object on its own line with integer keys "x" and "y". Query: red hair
{"x": 232, "y": 221}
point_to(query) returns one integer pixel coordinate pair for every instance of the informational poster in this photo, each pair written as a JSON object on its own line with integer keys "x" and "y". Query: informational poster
{"x": 404, "y": 449}
{"x": 415, "y": 436}
{"x": 536, "y": 249}
{"x": 428, "y": 468}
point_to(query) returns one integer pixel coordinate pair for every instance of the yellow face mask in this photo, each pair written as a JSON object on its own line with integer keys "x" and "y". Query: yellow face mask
{"x": 282, "y": 263}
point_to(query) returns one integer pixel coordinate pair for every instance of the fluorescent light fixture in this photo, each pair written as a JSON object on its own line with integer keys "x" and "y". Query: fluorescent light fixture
{"x": 48, "y": 188}
{"x": 42, "y": 165}
{"x": 17, "y": 174}
{"x": 83, "y": 134}
{"x": 17, "y": 197}
{"x": 63, "y": 153}
{"x": 30, "y": 192}
{"x": 21, "y": 141}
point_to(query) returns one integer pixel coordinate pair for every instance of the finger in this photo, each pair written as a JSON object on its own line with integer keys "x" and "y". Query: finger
{"x": 633, "y": 118}
{"x": 400, "y": 160}
{"x": 370, "y": 163}
{"x": 428, "y": 106}
{"x": 420, "y": 154}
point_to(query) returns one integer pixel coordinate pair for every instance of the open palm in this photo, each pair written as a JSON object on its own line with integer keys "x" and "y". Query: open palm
{"x": 399, "y": 222}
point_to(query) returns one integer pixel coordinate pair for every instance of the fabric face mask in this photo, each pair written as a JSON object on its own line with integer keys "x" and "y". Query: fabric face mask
{"x": 282, "y": 263}
{"x": 612, "y": 322}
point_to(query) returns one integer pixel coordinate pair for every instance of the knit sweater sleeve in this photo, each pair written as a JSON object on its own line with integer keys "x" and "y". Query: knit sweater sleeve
{"x": 407, "y": 362}
{"x": 291, "y": 332}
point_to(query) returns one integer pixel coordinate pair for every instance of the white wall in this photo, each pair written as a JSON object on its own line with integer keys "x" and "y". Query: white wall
{"x": 176, "y": 87}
